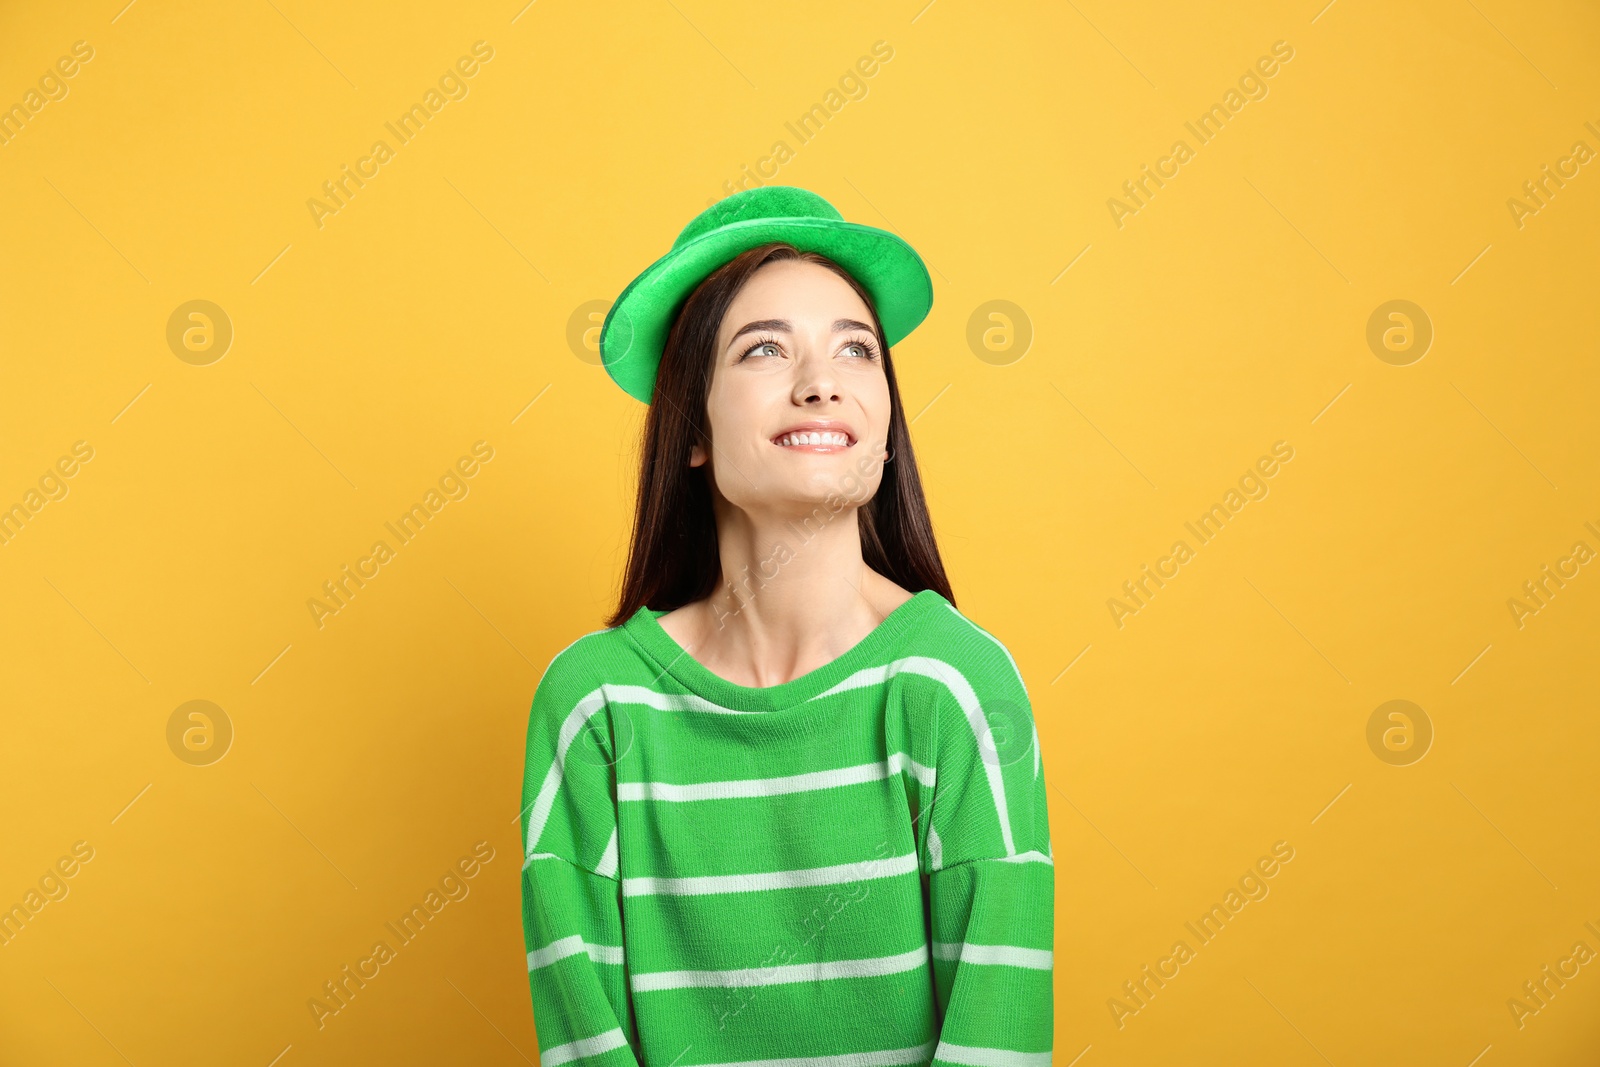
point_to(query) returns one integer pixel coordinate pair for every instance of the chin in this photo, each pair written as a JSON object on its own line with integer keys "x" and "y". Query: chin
{"x": 834, "y": 490}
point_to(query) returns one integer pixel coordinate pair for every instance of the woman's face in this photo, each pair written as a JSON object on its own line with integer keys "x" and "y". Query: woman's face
{"x": 796, "y": 353}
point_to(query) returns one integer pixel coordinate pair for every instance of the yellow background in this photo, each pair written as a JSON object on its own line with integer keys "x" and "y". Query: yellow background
{"x": 434, "y": 311}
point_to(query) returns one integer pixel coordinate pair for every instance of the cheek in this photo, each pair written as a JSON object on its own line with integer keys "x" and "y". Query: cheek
{"x": 734, "y": 448}
{"x": 738, "y": 412}
{"x": 874, "y": 397}
{"x": 732, "y": 435}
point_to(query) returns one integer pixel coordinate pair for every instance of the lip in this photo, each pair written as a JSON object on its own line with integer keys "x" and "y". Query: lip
{"x": 817, "y": 426}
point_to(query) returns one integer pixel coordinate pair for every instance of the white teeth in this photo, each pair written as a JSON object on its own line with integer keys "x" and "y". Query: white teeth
{"x": 814, "y": 439}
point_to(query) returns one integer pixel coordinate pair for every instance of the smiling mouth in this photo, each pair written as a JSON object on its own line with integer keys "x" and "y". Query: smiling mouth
{"x": 814, "y": 441}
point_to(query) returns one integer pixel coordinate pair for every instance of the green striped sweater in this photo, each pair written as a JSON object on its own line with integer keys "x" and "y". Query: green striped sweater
{"x": 849, "y": 869}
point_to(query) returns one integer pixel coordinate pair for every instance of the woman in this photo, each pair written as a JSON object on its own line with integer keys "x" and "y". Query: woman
{"x": 788, "y": 808}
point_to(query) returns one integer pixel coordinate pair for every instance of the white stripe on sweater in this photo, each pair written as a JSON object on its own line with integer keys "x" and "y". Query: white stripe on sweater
{"x": 989, "y": 1057}
{"x": 784, "y": 973}
{"x": 956, "y": 612}
{"x": 573, "y": 946}
{"x": 748, "y": 883}
{"x": 1039, "y": 959}
{"x": 936, "y": 849}
{"x": 961, "y": 689}
{"x": 591, "y": 633}
{"x": 1000, "y": 645}
{"x": 771, "y": 787}
{"x": 607, "y": 866}
{"x": 1034, "y": 856}
{"x": 607, "y": 692}
{"x": 578, "y": 718}
{"x": 583, "y": 1048}
{"x": 641, "y": 694}
{"x": 883, "y": 1058}
{"x": 574, "y": 722}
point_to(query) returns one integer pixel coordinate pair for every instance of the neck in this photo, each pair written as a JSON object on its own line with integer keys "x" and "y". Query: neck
{"x": 795, "y": 591}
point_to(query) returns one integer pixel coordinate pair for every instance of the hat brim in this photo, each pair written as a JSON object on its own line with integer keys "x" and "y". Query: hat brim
{"x": 635, "y": 329}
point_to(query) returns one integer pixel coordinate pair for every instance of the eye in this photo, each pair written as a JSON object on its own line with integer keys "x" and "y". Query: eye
{"x": 763, "y": 342}
{"x": 868, "y": 349}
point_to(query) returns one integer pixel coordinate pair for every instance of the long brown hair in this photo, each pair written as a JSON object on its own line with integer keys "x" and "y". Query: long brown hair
{"x": 673, "y": 559}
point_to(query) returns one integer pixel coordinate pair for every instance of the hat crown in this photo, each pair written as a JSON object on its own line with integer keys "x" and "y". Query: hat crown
{"x": 763, "y": 202}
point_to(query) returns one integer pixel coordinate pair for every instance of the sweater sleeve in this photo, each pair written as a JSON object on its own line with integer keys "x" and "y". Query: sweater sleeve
{"x": 991, "y": 884}
{"x": 571, "y": 892}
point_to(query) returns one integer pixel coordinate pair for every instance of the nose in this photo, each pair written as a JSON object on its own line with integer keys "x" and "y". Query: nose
{"x": 816, "y": 382}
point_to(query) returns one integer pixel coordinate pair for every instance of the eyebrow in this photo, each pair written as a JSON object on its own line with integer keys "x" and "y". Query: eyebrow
{"x": 785, "y": 326}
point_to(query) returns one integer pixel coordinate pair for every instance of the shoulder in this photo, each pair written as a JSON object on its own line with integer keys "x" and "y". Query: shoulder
{"x": 577, "y": 670}
{"x": 586, "y": 649}
{"x": 986, "y": 748}
{"x": 949, "y": 635}
{"x": 570, "y": 726}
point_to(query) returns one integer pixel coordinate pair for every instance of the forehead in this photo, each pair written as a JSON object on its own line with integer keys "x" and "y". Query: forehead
{"x": 796, "y": 290}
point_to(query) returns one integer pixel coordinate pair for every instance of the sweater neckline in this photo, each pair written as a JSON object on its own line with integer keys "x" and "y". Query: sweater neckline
{"x": 645, "y": 629}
